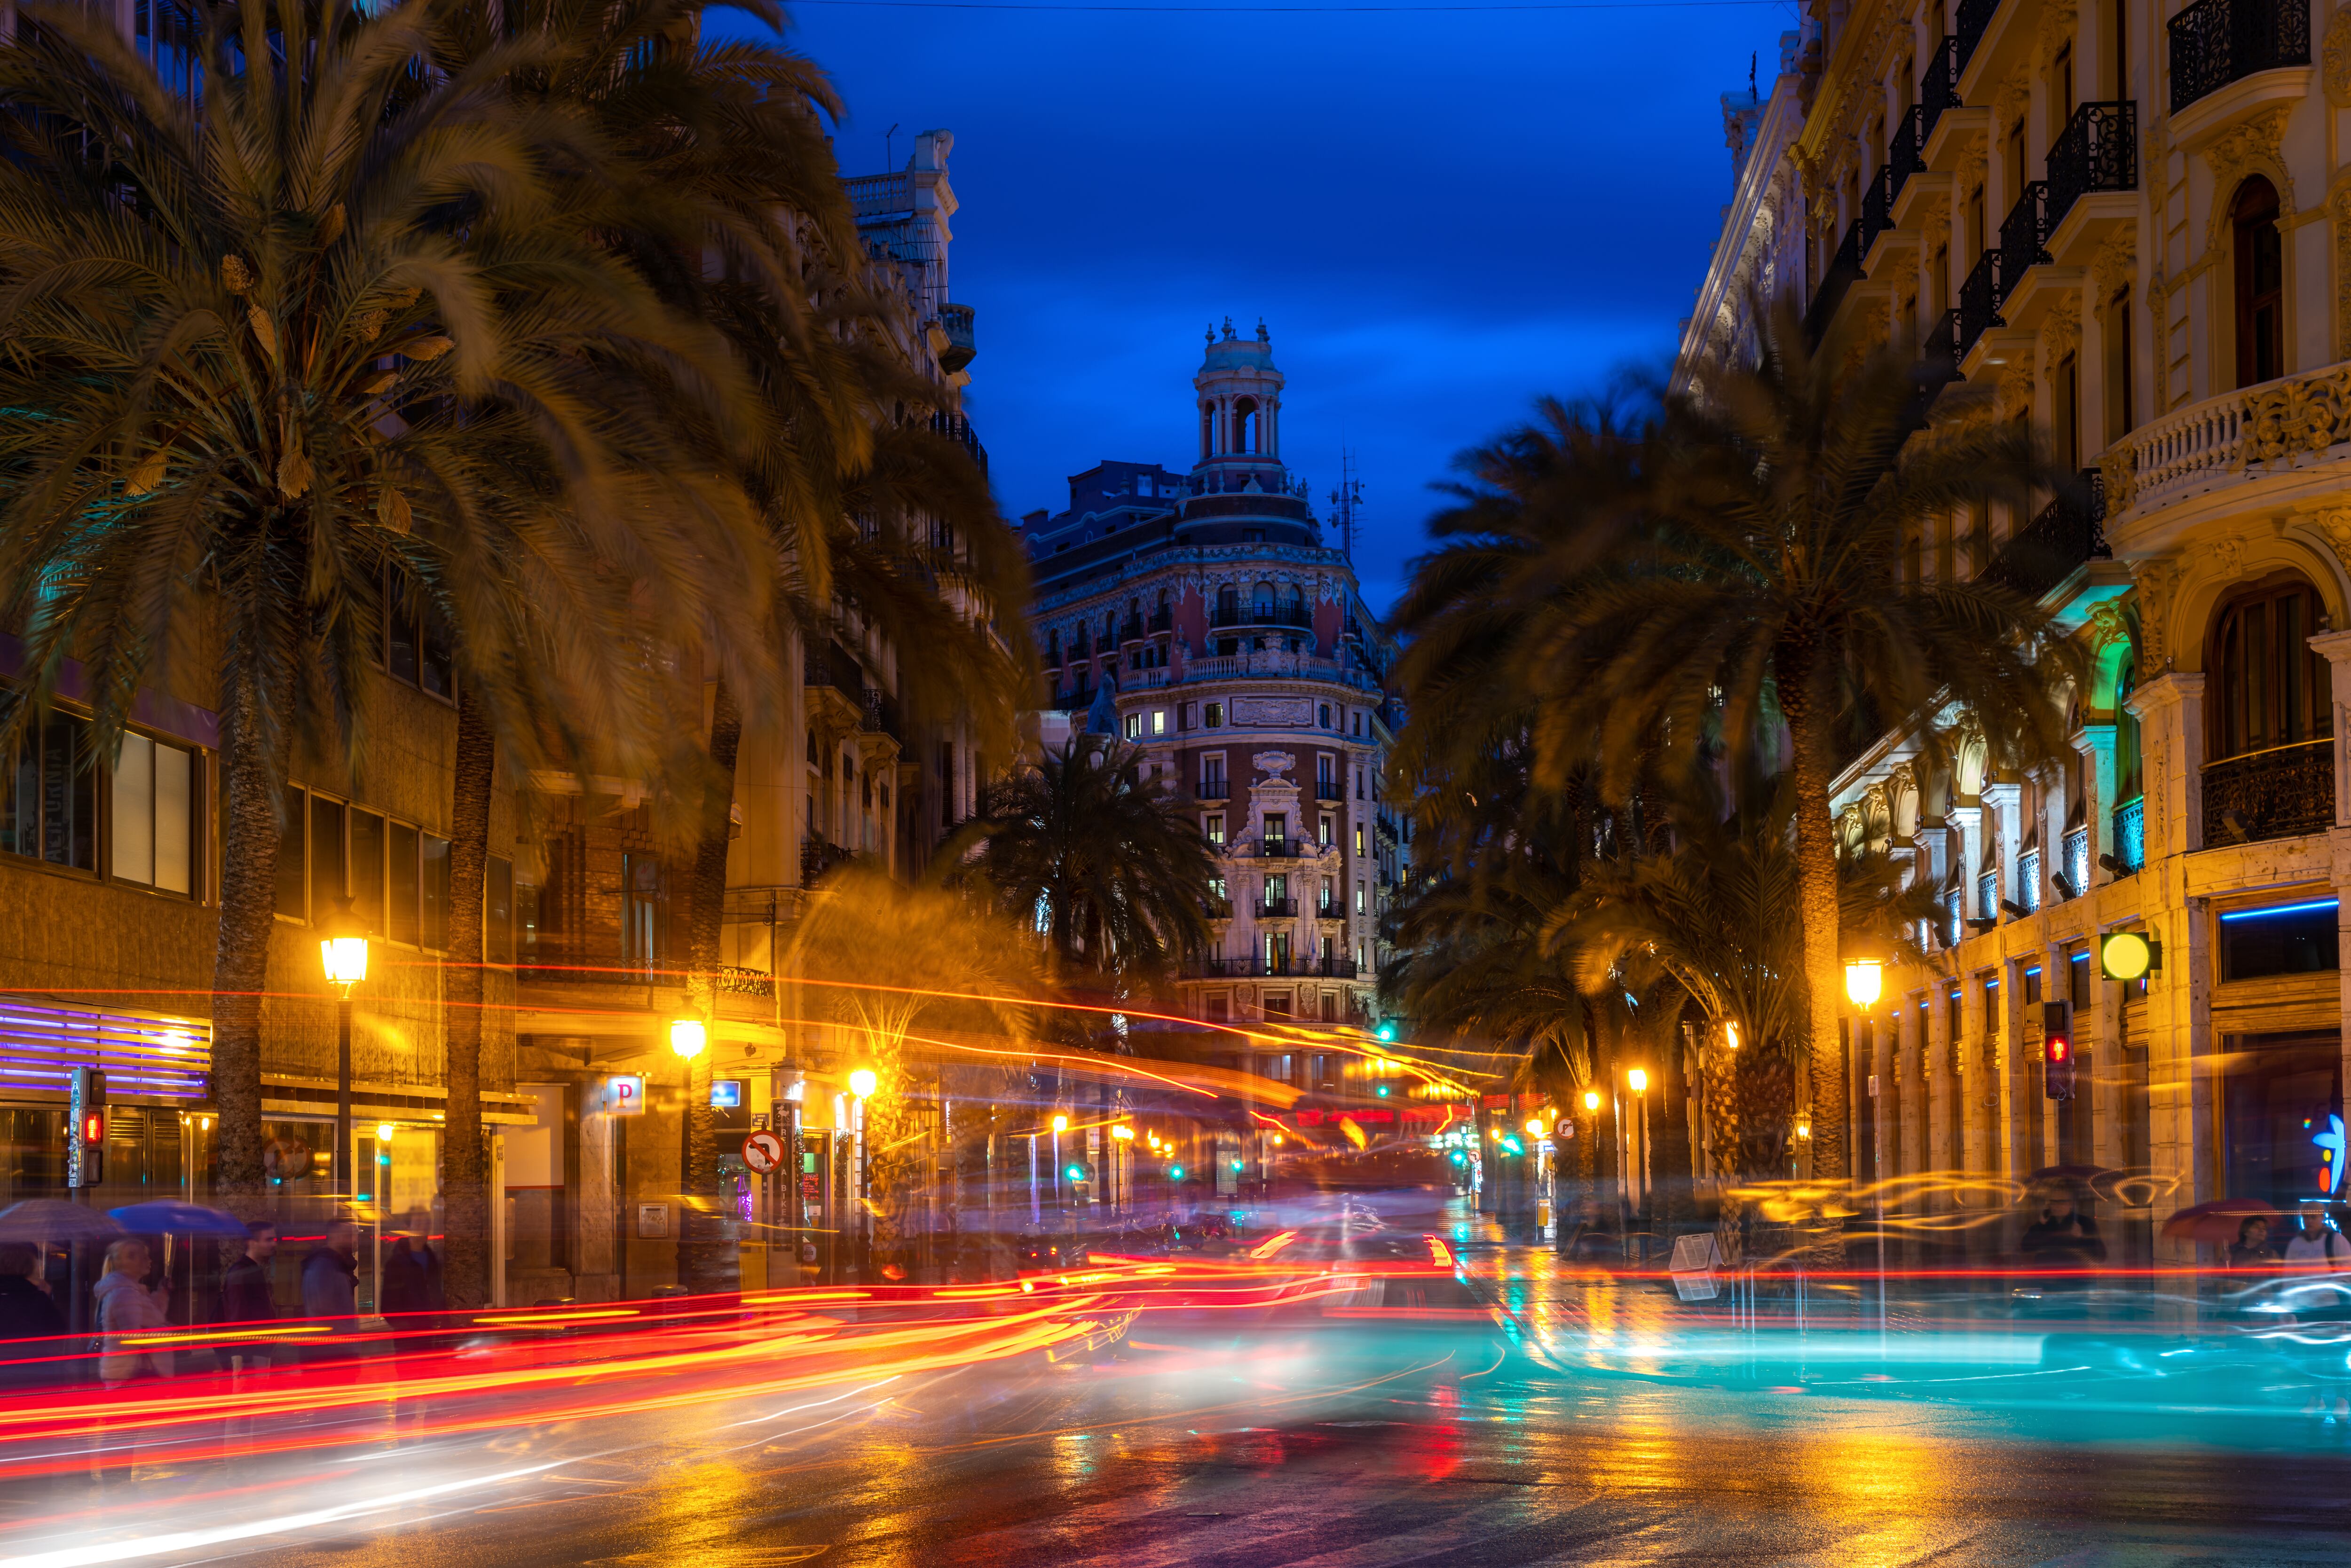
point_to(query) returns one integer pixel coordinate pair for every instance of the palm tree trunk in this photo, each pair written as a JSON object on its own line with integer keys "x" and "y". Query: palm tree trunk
{"x": 1816, "y": 912}
{"x": 253, "y": 770}
{"x": 464, "y": 1174}
{"x": 704, "y": 1234}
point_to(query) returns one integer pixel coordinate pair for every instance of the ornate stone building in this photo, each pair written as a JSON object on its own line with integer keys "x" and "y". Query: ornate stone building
{"x": 2130, "y": 223}
{"x": 1202, "y": 617}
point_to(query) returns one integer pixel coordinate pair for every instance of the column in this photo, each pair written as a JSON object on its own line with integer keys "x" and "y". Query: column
{"x": 1910, "y": 1068}
{"x": 2016, "y": 1154}
{"x": 2095, "y": 742}
{"x": 1940, "y": 1085}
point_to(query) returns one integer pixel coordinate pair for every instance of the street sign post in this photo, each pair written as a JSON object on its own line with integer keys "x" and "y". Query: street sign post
{"x": 763, "y": 1151}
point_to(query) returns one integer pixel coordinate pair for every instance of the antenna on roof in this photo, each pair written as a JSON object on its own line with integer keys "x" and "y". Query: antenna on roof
{"x": 889, "y": 168}
{"x": 1345, "y": 500}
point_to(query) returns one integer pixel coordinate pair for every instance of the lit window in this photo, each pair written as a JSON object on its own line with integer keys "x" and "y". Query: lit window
{"x": 1159, "y": 721}
{"x": 1135, "y": 726}
{"x": 155, "y": 815}
{"x": 1215, "y": 715}
{"x": 1212, "y": 828}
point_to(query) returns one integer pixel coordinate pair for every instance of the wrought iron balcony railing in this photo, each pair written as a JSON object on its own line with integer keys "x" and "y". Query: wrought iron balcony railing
{"x": 956, "y": 322}
{"x": 2130, "y": 836}
{"x": 1263, "y": 615}
{"x": 1277, "y": 908}
{"x": 1329, "y": 790}
{"x": 2068, "y": 531}
{"x": 1131, "y": 629}
{"x": 1212, "y": 790}
{"x": 1942, "y": 349}
{"x": 1161, "y": 620}
{"x": 2025, "y": 235}
{"x": 2216, "y": 42}
{"x": 2280, "y": 793}
{"x": 1973, "y": 20}
{"x": 1844, "y": 271}
{"x": 1981, "y": 298}
{"x": 1938, "y": 84}
{"x": 2028, "y": 881}
{"x": 2076, "y": 869}
{"x": 1905, "y": 153}
{"x": 2098, "y": 150}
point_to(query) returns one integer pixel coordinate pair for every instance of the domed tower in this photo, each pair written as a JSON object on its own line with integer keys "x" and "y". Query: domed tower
{"x": 1241, "y": 492}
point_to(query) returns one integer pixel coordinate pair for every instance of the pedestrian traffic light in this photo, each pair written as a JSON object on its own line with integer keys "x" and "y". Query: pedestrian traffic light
{"x": 86, "y": 1128}
{"x": 2057, "y": 1049}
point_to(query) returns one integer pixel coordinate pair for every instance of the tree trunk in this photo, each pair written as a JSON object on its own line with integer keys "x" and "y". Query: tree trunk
{"x": 705, "y": 1234}
{"x": 464, "y": 1167}
{"x": 253, "y": 773}
{"x": 1816, "y": 906}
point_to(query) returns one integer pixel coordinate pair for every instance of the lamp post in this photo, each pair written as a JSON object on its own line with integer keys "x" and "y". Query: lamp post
{"x": 1864, "y": 983}
{"x": 863, "y": 1082}
{"x": 1637, "y": 1080}
{"x": 343, "y": 952}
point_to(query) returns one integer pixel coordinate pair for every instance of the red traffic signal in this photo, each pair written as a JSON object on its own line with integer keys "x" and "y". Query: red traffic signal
{"x": 2057, "y": 1050}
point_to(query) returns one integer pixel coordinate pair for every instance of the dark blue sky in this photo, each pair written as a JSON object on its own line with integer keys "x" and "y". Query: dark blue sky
{"x": 1439, "y": 217}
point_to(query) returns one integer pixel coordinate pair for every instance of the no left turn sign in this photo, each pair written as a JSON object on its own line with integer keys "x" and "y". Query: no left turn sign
{"x": 763, "y": 1151}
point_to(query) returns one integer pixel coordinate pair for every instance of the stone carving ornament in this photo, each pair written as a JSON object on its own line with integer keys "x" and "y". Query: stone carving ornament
{"x": 2334, "y": 58}
{"x": 2250, "y": 147}
{"x": 1274, "y": 762}
{"x": 2155, "y": 581}
{"x": 2339, "y": 209}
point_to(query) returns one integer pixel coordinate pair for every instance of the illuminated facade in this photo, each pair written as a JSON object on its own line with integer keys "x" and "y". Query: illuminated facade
{"x": 2129, "y": 223}
{"x": 1202, "y": 616}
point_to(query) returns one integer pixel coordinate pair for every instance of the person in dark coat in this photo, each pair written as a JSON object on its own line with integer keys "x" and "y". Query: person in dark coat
{"x": 410, "y": 1293}
{"x": 245, "y": 1293}
{"x": 26, "y": 1313}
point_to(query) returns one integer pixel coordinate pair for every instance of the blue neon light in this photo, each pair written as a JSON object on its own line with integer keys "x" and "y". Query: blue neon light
{"x": 2314, "y": 904}
{"x": 2331, "y": 1141}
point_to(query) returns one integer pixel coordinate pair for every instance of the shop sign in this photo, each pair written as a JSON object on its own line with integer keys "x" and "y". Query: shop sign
{"x": 624, "y": 1094}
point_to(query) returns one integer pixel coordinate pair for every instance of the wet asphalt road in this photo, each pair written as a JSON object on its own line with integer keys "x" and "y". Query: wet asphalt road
{"x": 1354, "y": 1447}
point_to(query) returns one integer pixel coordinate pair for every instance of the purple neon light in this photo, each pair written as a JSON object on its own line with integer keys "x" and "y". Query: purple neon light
{"x": 41, "y": 1044}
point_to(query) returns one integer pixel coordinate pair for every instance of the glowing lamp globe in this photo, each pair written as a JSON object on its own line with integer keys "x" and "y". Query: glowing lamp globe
{"x": 1061, "y": 1124}
{"x": 1592, "y": 1099}
{"x": 1864, "y": 980}
{"x": 687, "y": 1036}
{"x": 345, "y": 959}
{"x": 1534, "y": 1127}
{"x": 1637, "y": 1080}
{"x": 2126, "y": 956}
{"x": 863, "y": 1082}
{"x": 384, "y": 1131}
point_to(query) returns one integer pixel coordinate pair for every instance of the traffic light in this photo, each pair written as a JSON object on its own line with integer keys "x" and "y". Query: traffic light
{"x": 1077, "y": 1171}
{"x": 2130, "y": 955}
{"x": 86, "y": 1128}
{"x": 1175, "y": 1173}
{"x": 2057, "y": 1049}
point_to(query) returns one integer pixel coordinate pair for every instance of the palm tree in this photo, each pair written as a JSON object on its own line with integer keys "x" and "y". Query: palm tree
{"x": 319, "y": 328}
{"x": 1113, "y": 875}
{"x": 1751, "y": 595}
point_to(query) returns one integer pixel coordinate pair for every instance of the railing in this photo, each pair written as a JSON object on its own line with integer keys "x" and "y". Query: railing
{"x": 881, "y": 716}
{"x": 2130, "y": 836}
{"x": 1277, "y": 908}
{"x": 2067, "y": 532}
{"x": 2280, "y": 793}
{"x": 2076, "y": 849}
{"x": 2216, "y": 42}
{"x": 1131, "y": 629}
{"x": 819, "y": 856}
{"x": 1905, "y": 153}
{"x": 1328, "y": 908}
{"x": 1277, "y": 849}
{"x": 2028, "y": 881}
{"x": 1844, "y": 271}
{"x": 1217, "y": 908}
{"x": 1052, "y": 658}
{"x": 2227, "y": 436}
{"x": 2023, "y": 235}
{"x": 957, "y": 429}
{"x": 1878, "y": 205}
{"x": 733, "y": 980}
{"x": 1988, "y": 895}
{"x": 1163, "y": 619}
{"x": 1329, "y": 790}
{"x": 1973, "y": 19}
{"x": 1980, "y": 302}
{"x": 1212, "y": 790}
{"x": 956, "y": 321}
{"x": 831, "y": 666}
{"x": 1938, "y": 85}
{"x": 1943, "y": 350}
{"x": 1267, "y": 616}
{"x": 1259, "y": 967}
{"x": 2098, "y": 150}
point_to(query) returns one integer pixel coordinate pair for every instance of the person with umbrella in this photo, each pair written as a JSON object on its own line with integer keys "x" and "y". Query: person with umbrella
{"x": 26, "y": 1313}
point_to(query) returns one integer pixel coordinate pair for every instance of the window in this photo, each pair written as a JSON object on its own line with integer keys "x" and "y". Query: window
{"x": 52, "y": 807}
{"x": 947, "y": 784}
{"x": 1330, "y": 1011}
{"x": 1359, "y": 726}
{"x": 1135, "y": 726}
{"x": 1324, "y": 712}
{"x": 645, "y": 912}
{"x": 329, "y": 875}
{"x": 154, "y": 832}
{"x": 2120, "y": 415}
{"x": 1359, "y": 838}
{"x": 2032, "y": 987}
{"x": 2077, "y": 979}
{"x": 434, "y": 874}
{"x": 1220, "y": 1007}
{"x": 405, "y": 915}
{"x": 1215, "y": 715}
{"x": 1951, "y": 1011}
{"x": 2298, "y": 938}
{"x": 415, "y": 637}
{"x": 367, "y": 869}
{"x": 1212, "y": 828}
{"x": 1212, "y": 776}
{"x": 1359, "y": 898}
{"x": 1277, "y": 1004}
{"x": 2273, "y": 689}
{"x": 1322, "y": 831}
{"x": 292, "y": 879}
{"x": 1159, "y": 721}
{"x": 2259, "y": 283}
{"x": 2064, "y": 424}
{"x": 1359, "y": 783}
{"x": 1992, "y": 1006}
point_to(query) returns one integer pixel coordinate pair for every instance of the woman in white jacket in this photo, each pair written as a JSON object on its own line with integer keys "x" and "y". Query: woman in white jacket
{"x": 125, "y": 1307}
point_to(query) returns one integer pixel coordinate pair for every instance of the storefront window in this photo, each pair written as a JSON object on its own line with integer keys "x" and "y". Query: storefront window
{"x": 2288, "y": 939}
{"x": 2280, "y": 1094}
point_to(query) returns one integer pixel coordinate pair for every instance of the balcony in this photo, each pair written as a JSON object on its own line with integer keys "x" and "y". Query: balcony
{"x": 1979, "y": 302}
{"x": 1844, "y": 270}
{"x": 955, "y": 322}
{"x": 2130, "y": 837}
{"x": 2024, "y": 237}
{"x": 1941, "y": 352}
{"x": 2076, "y": 868}
{"x": 1278, "y": 850}
{"x": 2067, "y": 532}
{"x": 1329, "y": 790}
{"x": 1161, "y": 620}
{"x": 2098, "y": 150}
{"x": 1277, "y": 909}
{"x": 1938, "y": 84}
{"x": 1294, "y": 615}
{"x": 1212, "y": 790}
{"x": 819, "y": 856}
{"x": 2231, "y": 439}
{"x": 2280, "y": 793}
{"x": 1131, "y": 629}
{"x": 957, "y": 429}
{"x": 1217, "y": 908}
{"x": 1973, "y": 20}
{"x": 1259, "y": 967}
{"x": 2216, "y": 42}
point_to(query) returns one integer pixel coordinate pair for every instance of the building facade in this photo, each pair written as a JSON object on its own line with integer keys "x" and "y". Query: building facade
{"x": 1202, "y": 617}
{"x": 2130, "y": 224}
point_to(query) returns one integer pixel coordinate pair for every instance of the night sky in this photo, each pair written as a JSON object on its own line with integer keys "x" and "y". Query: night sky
{"x": 1439, "y": 216}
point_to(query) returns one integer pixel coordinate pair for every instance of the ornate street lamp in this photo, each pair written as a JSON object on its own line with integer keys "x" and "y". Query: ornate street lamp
{"x": 1864, "y": 978}
{"x": 343, "y": 954}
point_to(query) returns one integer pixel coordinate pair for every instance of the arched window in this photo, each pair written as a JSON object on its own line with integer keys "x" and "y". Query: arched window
{"x": 1228, "y": 605}
{"x": 2269, "y": 688}
{"x": 1245, "y": 426}
{"x": 1262, "y": 600}
{"x": 2261, "y": 283}
{"x": 1207, "y": 430}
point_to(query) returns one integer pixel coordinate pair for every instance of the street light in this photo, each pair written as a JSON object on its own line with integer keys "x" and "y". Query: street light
{"x": 1592, "y": 1099}
{"x": 1061, "y": 1124}
{"x": 1637, "y": 1080}
{"x": 343, "y": 954}
{"x": 1864, "y": 980}
{"x": 1534, "y": 1127}
{"x": 863, "y": 1082}
{"x": 687, "y": 1036}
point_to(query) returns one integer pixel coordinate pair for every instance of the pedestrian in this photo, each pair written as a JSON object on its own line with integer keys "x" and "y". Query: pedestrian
{"x": 2316, "y": 1247}
{"x": 410, "y": 1295}
{"x": 2253, "y": 1251}
{"x": 330, "y": 1283}
{"x": 246, "y": 1295}
{"x": 26, "y": 1313}
{"x": 128, "y": 1307}
{"x": 2064, "y": 1240}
